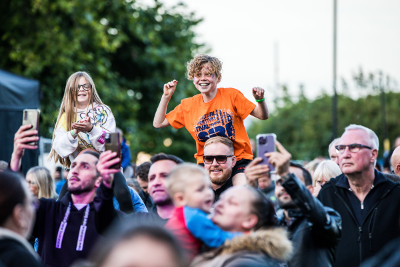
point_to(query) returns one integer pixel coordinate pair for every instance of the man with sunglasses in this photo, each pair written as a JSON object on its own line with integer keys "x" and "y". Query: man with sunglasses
{"x": 368, "y": 203}
{"x": 219, "y": 162}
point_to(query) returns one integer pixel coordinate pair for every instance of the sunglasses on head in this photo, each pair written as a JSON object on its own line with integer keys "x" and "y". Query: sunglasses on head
{"x": 221, "y": 159}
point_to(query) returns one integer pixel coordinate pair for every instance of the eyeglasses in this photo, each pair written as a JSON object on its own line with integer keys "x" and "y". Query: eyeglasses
{"x": 84, "y": 87}
{"x": 352, "y": 148}
{"x": 31, "y": 183}
{"x": 221, "y": 159}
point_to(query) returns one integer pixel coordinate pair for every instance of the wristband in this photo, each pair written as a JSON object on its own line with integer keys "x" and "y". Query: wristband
{"x": 73, "y": 132}
{"x": 260, "y": 100}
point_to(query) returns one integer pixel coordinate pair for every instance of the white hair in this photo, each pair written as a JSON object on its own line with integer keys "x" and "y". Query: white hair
{"x": 373, "y": 138}
{"x": 326, "y": 169}
{"x": 334, "y": 142}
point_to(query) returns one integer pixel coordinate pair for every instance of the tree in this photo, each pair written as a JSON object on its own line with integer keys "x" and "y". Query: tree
{"x": 130, "y": 50}
{"x": 304, "y": 127}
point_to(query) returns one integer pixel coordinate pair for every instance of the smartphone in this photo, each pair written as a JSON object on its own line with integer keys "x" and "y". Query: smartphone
{"x": 112, "y": 142}
{"x": 31, "y": 116}
{"x": 265, "y": 144}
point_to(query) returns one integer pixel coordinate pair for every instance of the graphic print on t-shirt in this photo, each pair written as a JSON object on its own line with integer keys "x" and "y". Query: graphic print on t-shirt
{"x": 215, "y": 123}
{"x": 98, "y": 116}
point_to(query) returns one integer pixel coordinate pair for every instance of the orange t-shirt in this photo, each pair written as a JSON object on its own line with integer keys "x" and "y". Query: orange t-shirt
{"x": 222, "y": 116}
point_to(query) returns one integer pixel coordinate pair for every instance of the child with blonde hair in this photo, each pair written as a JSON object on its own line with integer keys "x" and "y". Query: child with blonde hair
{"x": 82, "y": 123}
{"x": 193, "y": 199}
{"x": 213, "y": 112}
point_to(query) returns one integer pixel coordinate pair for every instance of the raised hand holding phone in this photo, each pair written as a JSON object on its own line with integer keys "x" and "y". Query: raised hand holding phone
{"x": 106, "y": 160}
{"x": 266, "y": 144}
{"x": 31, "y": 117}
{"x": 112, "y": 143}
{"x": 280, "y": 160}
{"x": 23, "y": 139}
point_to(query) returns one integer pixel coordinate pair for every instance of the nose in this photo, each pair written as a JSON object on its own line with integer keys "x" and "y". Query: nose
{"x": 214, "y": 162}
{"x": 73, "y": 170}
{"x": 346, "y": 153}
{"x": 157, "y": 181}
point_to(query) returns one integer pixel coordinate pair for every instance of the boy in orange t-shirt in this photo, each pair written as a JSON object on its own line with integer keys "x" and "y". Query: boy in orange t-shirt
{"x": 214, "y": 112}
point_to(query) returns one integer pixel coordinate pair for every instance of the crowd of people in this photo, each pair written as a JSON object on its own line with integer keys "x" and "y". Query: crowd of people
{"x": 229, "y": 209}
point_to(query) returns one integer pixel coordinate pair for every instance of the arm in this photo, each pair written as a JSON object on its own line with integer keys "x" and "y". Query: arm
{"x": 64, "y": 142}
{"x": 21, "y": 138}
{"x": 255, "y": 171}
{"x": 97, "y": 133}
{"x": 326, "y": 221}
{"x": 204, "y": 229}
{"x": 261, "y": 110}
{"x": 103, "y": 202}
{"x": 239, "y": 179}
{"x": 160, "y": 119}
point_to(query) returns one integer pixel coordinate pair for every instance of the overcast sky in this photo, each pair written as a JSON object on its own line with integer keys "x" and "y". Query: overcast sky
{"x": 243, "y": 35}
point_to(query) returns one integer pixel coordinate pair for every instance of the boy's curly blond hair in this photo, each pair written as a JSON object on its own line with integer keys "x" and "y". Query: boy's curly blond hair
{"x": 196, "y": 64}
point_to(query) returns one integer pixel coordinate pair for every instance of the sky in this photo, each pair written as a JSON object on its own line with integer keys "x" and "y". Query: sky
{"x": 254, "y": 38}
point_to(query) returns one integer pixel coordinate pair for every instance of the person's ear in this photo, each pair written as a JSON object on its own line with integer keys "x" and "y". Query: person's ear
{"x": 18, "y": 217}
{"x": 250, "y": 222}
{"x": 234, "y": 160}
{"x": 97, "y": 183}
{"x": 397, "y": 170}
{"x": 310, "y": 188}
{"x": 179, "y": 199}
{"x": 374, "y": 155}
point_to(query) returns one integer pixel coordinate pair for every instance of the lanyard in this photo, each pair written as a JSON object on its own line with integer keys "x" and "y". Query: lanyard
{"x": 82, "y": 230}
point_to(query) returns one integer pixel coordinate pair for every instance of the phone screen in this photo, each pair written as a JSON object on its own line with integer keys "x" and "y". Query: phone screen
{"x": 31, "y": 116}
{"x": 265, "y": 144}
{"x": 112, "y": 142}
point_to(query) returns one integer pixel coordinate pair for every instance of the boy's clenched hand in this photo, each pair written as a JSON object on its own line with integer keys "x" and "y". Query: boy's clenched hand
{"x": 258, "y": 93}
{"x": 169, "y": 88}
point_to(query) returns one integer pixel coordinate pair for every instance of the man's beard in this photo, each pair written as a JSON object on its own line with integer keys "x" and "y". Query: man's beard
{"x": 220, "y": 180}
{"x": 81, "y": 189}
{"x": 163, "y": 202}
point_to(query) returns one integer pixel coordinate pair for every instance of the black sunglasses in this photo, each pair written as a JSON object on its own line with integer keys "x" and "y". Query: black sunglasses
{"x": 353, "y": 148}
{"x": 221, "y": 159}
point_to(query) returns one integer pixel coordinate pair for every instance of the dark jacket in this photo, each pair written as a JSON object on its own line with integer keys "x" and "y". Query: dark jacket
{"x": 13, "y": 253}
{"x": 148, "y": 202}
{"x": 315, "y": 230}
{"x": 262, "y": 248}
{"x": 50, "y": 215}
{"x": 380, "y": 226}
{"x": 389, "y": 256}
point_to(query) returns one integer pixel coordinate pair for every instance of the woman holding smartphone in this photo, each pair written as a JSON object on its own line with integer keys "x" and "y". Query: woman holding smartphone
{"x": 82, "y": 123}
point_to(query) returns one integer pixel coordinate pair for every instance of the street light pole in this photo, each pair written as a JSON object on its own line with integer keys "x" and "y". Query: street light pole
{"x": 334, "y": 102}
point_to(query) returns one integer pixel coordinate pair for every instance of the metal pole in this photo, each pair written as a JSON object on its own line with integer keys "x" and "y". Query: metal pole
{"x": 383, "y": 108}
{"x": 334, "y": 102}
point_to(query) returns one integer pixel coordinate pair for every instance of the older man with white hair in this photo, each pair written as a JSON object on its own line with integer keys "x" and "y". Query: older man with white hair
{"x": 368, "y": 203}
{"x": 333, "y": 154}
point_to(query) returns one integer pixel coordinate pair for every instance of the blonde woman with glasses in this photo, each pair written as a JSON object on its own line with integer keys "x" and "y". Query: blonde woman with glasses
{"x": 326, "y": 170}
{"x": 41, "y": 183}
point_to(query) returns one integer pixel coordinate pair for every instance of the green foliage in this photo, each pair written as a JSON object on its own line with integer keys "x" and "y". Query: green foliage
{"x": 304, "y": 127}
{"x": 130, "y": 51}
